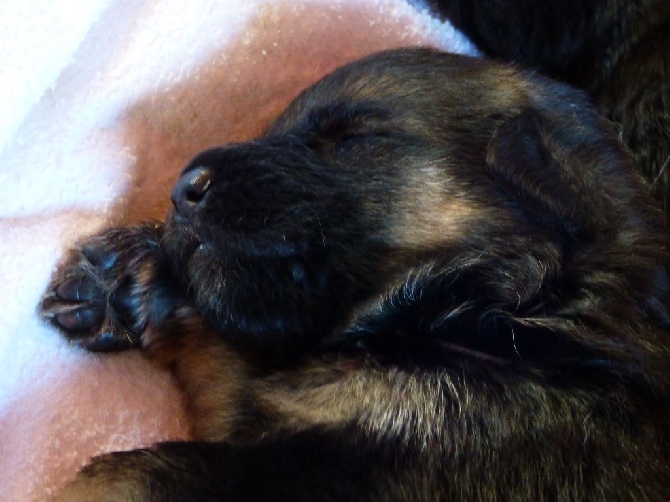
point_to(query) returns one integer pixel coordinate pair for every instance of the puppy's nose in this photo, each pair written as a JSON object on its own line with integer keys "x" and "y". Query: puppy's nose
{"x": 191, "y": 189}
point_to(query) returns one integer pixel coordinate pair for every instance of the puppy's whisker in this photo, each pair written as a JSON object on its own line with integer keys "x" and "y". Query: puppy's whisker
{"x": 661, "y": 171}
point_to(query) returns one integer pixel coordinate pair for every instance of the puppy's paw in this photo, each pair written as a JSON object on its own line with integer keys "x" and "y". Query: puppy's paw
{"x": 97, "y": 297}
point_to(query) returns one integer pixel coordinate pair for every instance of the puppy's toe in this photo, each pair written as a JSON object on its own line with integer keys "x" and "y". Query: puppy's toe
{"x": 74, "y": 304}
{"x": 100, "y": 255}
{"x": 76, "y": 290}
{"x": 79, "y": 319}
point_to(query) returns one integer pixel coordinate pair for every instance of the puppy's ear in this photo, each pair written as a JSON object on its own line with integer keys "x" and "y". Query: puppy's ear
{"x": 532, "y": 167}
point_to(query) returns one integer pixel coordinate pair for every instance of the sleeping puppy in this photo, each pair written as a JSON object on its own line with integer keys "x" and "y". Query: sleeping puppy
{"x": 433, "y": 278}
{"x": 617, "y": 50}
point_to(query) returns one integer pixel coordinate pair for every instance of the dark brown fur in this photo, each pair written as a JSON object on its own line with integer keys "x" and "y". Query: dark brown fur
{"x": 433, "y": 278}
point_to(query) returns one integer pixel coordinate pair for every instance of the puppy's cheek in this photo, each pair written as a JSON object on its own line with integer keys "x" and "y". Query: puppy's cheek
{"x": 433, "y": 210}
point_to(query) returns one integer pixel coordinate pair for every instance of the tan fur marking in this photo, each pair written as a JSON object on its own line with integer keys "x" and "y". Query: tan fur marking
{"x": 210, "y": 372}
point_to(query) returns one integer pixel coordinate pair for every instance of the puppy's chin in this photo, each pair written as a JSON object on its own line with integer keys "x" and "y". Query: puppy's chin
{"x": 266, "y": 293}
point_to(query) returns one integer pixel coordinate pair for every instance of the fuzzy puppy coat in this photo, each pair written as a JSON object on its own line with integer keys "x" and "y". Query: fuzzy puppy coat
{"x": 433, "y": 278}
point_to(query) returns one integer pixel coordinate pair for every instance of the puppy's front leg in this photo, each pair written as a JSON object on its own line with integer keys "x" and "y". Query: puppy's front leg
{"x": 110, "y": 288}
{"x": 315, "y": 465}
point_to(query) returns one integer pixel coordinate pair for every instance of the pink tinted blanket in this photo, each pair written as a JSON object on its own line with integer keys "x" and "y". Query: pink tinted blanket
{"x": 102, "y": 103}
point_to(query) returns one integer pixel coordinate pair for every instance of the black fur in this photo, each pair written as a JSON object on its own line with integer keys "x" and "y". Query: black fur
{"x": 617, "y": 50}
{"x": 433, "y": 278}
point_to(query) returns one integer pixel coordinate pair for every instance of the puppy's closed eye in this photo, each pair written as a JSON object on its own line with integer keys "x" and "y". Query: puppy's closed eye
{"x": 342, "y": 125}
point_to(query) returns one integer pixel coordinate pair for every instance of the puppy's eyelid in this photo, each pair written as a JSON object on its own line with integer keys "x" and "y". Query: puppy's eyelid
{"x": 353, "y": 130}
{"x": 342, "y": 139}
{"x": 340, "y": 118}
{"x": 341, "y": 125}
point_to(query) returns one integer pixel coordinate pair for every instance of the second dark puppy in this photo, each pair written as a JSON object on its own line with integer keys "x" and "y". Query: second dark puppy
{"x": 617, "y": 50}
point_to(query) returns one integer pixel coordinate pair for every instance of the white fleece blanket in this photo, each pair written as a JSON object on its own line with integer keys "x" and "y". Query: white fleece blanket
{"x": 102, "y": 102}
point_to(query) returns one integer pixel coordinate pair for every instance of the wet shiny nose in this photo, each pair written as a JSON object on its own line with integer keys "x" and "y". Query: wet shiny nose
{"x": 191, "y": 189}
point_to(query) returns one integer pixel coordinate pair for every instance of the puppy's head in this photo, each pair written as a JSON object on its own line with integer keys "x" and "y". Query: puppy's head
{"x": 407, "y": 178}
